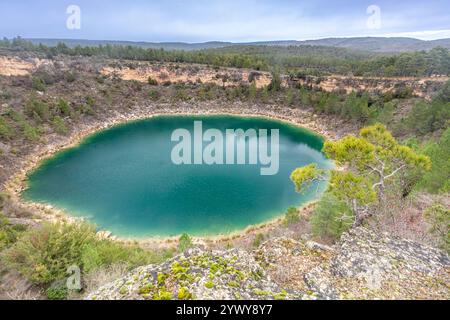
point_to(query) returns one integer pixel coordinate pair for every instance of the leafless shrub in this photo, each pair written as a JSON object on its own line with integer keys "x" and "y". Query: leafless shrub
{"x": 14, "y": 286}
{"x": 95, "y": 279}
{"x": 284, "y": 273}
{"x": 403, "y": 218}
{"x": 19, "y": 294}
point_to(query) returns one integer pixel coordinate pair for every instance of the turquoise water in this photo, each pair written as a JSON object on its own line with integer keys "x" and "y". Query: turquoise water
{"x": 123, "y": 180}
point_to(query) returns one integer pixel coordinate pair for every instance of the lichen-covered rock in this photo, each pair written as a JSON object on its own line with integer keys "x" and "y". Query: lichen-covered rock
{"x": 218, "y": 275}
{"x": 363, "y": 265}
{"x": 363, "y": 252}
{"x": 320, "y": 283}
{"x": 372, "y": 266}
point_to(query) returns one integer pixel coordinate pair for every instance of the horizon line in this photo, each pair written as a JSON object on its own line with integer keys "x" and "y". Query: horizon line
{"x": 230, "y": 42}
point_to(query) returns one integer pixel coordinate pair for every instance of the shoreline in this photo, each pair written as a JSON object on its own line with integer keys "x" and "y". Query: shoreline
{"x": 17, "y": 182}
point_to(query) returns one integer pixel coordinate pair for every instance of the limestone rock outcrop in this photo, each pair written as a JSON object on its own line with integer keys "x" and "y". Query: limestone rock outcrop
{"x": 363, "y": 265}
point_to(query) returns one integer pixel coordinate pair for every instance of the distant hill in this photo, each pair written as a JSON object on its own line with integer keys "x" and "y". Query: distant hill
{"x": 373, "y": 44}
{"x": 152, "y": 45}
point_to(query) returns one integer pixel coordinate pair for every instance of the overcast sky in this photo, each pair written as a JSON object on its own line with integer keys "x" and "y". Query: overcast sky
{"x": 224, "y": 20}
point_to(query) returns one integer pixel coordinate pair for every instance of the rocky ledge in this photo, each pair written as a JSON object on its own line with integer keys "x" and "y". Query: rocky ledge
{"x": 364, "y": 265}
{"x": 227, "y": 275}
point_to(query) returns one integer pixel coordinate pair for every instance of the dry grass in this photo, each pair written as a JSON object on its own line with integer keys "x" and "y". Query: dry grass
{"x": 95, "y": 279}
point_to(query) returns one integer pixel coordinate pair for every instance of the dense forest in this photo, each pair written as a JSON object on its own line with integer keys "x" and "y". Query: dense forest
{"x": 316, "y": 60}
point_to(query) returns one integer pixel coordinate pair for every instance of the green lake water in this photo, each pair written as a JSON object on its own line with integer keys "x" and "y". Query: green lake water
{"x": 123, "y": 180}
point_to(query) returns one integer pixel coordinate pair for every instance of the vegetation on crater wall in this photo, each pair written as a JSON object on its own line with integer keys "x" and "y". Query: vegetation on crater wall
{"x": 44, "y": 254}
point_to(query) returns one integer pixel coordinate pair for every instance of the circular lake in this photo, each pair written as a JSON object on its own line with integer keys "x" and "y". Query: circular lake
{"x": 124, "y": 180}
